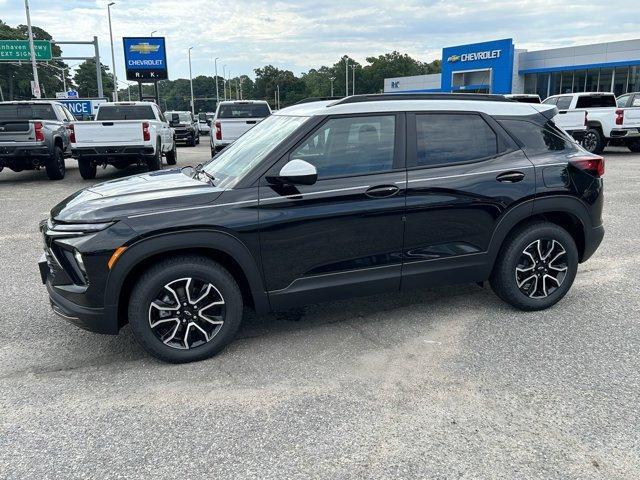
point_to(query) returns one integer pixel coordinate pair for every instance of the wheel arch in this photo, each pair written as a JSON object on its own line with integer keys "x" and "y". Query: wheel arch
{"x": 219, "y": 246}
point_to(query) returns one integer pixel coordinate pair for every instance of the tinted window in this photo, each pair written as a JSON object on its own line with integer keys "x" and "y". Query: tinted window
{"x": 125, "y": 112}
{"x": 243, "y": 110}
{"x": 27, "y": 112}
{"x": 453, "y": 138}
{"x": 596, "y": 101}
{"x": 564, "y": 103}
{"x": 538, "y": 139}
{"x": 348, "y": 146}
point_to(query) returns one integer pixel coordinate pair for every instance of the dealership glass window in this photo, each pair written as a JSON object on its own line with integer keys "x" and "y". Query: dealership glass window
{"x": 556, "y": 79}
{"x": 620, "y": 80}
{"x": 634, "y": 79}
{"x": 453, "y": 138}
{"x": 542, "y": 85}
{"x": 579, "y": 77}
{"x": 530, "y": 80}
{"x": 566, "y": 82}
{"x": 592, "y": 80}
{"x": 606, "y": 75}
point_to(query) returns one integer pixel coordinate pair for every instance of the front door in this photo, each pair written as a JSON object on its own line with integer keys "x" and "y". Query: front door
{"x": 464, "y": 172}
{"x": 343, "y": 235}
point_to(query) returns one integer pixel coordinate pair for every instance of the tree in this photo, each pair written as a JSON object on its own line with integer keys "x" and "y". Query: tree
{"x": 394, "y": 64}
{"x": 85, "y": 79}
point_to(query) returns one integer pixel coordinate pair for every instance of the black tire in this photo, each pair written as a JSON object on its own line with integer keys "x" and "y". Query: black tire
{"x": 87, "y": 169}
{"x": 155, "y": 163}
{"x": 153, "y": 283}
{"x": 504, "y": 278}
{"x": 213, "y": 152}
{"x": 593, "y": 141}
{"x": 172, "y": 156}
{"x": 634, "y": 146}
{"x": 192, "y": 142}
{"x": 55, "y": 165}
{"x": 198, "y": 140}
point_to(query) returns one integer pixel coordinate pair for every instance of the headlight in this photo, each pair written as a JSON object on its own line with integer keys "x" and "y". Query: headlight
{"x": 75, "y": 228}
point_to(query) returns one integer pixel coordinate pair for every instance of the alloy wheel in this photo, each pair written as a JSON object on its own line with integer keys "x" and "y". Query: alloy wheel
{"x": 541, "y": 268}
{"x": 186, "y": 313}
{"x": 590, "y": 141}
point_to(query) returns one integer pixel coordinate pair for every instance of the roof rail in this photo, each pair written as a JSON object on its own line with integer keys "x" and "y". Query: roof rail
{"x": 316, "y": 99}
{"x": 422, "y": 96}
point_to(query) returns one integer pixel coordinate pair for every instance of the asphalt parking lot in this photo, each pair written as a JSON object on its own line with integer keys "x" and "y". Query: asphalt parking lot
{"x": 442, "y": 383}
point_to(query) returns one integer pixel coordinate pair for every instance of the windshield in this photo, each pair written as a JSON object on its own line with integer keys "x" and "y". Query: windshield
{"x": 251, "y": 148}
{"x": 182, "y": 117}
{"x": 125, "y": 112}
{"x": 243, "y": 110}
{"x": 40, "y": 111}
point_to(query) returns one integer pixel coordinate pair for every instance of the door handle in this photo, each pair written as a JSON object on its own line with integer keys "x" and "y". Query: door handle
{"x": 510, "y": 177}
{"x": 382, "y": 191}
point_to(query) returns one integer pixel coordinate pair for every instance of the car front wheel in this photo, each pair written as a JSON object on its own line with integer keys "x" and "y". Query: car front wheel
{"x": 185, "y": 308}
{"x": 535, "y": 267}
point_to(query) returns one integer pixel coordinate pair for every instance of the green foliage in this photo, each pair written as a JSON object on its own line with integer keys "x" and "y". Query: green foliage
{"x": 86, "y": 81}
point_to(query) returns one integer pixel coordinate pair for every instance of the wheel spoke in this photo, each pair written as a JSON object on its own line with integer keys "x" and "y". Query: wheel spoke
{"x": 173, "y": 333}
{"x": 533, "y": 290}
{"x": 521, "y": 283}
{"x": 164, "y": 320}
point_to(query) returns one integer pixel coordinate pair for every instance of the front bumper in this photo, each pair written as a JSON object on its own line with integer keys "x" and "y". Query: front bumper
{"x": 184, "y": 135}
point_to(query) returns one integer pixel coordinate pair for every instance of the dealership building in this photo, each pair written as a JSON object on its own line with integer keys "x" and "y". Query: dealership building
{"x": 499, "y": 67}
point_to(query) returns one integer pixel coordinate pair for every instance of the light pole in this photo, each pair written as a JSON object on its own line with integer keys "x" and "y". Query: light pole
{"x": 113, "y": 57}
{"x": 331, "y": 79}
{"x": 229, "y": 83}
{"x": 215, "y": 62}
{"x": 346, "y": 76}
{"x": 153, "y": 33}
{"x": 353, "y": 79}
{"x": 36, "y": 81}
{"x": 191, "y": 82}
{"x": 224, "y": 83}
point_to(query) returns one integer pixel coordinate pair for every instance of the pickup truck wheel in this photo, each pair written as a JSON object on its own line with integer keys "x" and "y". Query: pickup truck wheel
{"x": 172, "y": 156}
{"x": 634, "y": 146}
{"x": 87, "y": 169}
{"x": 535, "y": 267}
{"x": 593, "y": 141}
{"x": 55, "y": 165}
{"x": 185, "y": 308}
{"x": 155, "y": 162}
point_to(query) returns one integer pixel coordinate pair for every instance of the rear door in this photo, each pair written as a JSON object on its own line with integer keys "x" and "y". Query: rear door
{"x": 569, "y": 120}
{"x": 464, "y": 172}
{"x": 632, "y": 113}
{"x": 343, "y": 235}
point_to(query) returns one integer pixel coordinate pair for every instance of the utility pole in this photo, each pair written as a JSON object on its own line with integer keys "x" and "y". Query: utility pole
{"x": 113, "y": 57}
{"x": 346, "y": 76}
{"x": 33, "y": 51}
{"x": 215, "y": 62}
{"x": 191, "y": 83}
{"x": 229, "y": 83}
{"x": 331, "y": 79}
{"x": 353, "y": 79}
{"x": 278, "y": 97}
{"x": 224, "y": 83}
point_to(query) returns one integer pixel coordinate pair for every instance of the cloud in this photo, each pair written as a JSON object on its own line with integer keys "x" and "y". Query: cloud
{"x": 299, "y": 35}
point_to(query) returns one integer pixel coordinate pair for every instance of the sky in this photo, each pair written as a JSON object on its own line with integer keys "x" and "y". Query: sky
{"x": 299, "y": 35}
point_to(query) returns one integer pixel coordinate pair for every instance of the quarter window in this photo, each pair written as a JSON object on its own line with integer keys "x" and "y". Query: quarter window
{"x": 350, "y": 146}
{"x": 453, "y": 138}
{"x": 537, "y": 139}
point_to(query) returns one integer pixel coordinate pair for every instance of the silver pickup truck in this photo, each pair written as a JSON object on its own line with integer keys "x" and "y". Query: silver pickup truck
{"x": 35, "y": 134}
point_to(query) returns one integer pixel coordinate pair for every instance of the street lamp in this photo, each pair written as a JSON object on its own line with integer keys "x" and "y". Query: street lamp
{"x": 32, "y": 50}
{"x": 346, "y": 75}
{"x": 153, "y": 33}
{"x": 113, "y": 57}
{"x": 191, "y": 82}
{"x": 229, "y": 83}
{"x": 224, "y": 83}
{"x": 215, "y": 62}
{"x": 353, "y": 79}
{"x": 331, "y": 79}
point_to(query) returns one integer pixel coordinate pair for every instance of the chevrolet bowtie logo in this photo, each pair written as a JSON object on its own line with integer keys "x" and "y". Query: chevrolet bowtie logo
{"x": 144, "y": 47}
{"x": 453, "y": 58}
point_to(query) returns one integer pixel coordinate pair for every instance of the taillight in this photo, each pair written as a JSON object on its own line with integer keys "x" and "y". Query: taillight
{"x": 146, "y": 135}
{"x": 39, "y": 132}
{"x": 593, "y": 165}
{"x": 619, "y": 117}
{"x": 218, "y": 131}
{"x": 72, "y": 133}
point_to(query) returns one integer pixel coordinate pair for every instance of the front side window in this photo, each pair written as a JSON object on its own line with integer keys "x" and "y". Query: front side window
{"x": 551, "y": 101}
{"x": 623, "y": 100}
{"x": 564, "y": 103}
{"x": 453, "y": 138}
{"x": 537, "y": 139}
{"x": 350, "y": 146}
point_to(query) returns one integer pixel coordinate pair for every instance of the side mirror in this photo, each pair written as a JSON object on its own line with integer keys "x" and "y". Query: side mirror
{"x": 296, "y": 172}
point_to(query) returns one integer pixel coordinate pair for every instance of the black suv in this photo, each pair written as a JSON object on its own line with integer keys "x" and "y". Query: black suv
{"x": 328, "y": 200}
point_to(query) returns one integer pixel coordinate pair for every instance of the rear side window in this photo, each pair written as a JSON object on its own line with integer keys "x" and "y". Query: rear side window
{"x": 551, "y": 101}
{"x": 126, "y": 112}
{"x": 563, "y": 103}
{"x": 243, "y": 110}
{"x": 453, "y": 138}
{"x": 537, "y": 139}
{"x": 596, "y": 101}
{"x": 623, "y": 100}
{"x": 27, "y": 112}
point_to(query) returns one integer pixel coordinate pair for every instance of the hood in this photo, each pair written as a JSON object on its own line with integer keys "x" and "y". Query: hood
{"x": 133, "y": 195}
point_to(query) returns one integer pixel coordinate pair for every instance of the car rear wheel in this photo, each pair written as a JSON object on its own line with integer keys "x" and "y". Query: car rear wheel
{"x": 593, "y": 141}
{"x": 155, "y": 163}
{"x": 535, "y": 267}
{"x": 172, "y": 156}
{"x": 55, "y": 165}
{"x": 185, "y": 308}
{"x": 634, "y": 146}
{"x": 87, "y": 169}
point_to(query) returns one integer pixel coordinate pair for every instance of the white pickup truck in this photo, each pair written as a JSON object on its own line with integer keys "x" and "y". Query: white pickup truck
{"x": 122, "y": 134}
{"x": 233, "y": 118}
{"x": 607, "y": 123}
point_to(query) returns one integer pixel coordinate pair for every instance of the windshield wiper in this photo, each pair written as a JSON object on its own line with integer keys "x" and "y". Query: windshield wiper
{"x": 200, "y": 170}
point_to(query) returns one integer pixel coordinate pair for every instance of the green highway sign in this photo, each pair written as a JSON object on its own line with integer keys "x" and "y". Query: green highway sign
{"x": 14, "y": 50}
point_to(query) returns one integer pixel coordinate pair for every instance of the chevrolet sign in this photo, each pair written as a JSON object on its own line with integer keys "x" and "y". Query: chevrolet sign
{"x": 470, "y": 57}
